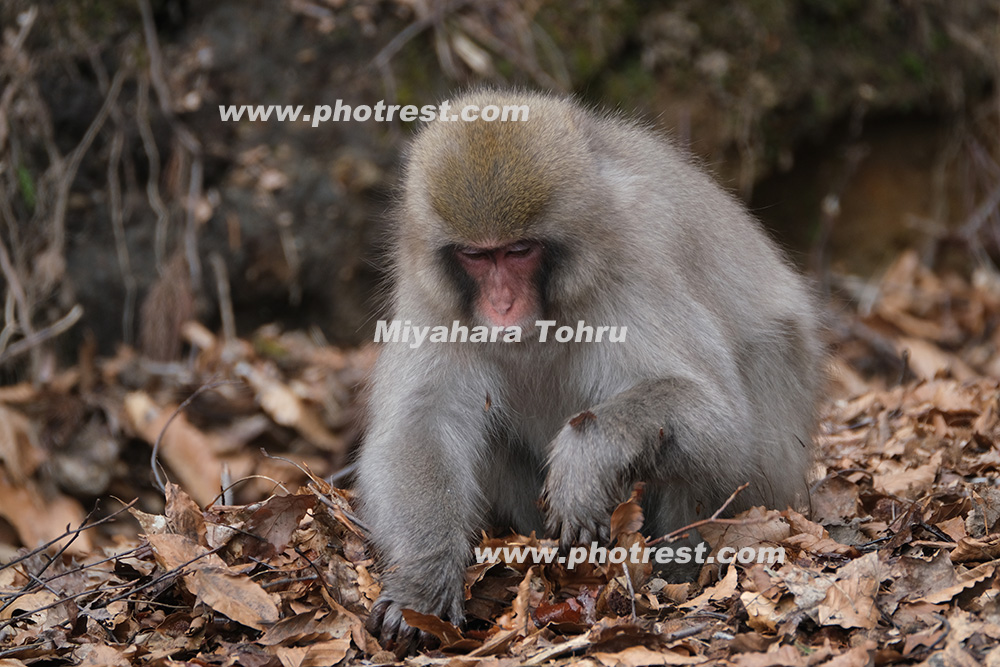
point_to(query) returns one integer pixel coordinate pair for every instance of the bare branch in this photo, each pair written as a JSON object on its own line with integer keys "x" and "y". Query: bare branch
{"x": 57, "y": 328}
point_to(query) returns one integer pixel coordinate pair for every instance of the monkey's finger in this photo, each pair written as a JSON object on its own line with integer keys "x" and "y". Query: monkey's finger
{"x": 584, "y": 533}
{"x": 571, "y": 534}
{"x": 424, "y": 640}
{"x": 406, "y": 639}
{"x": 386, "y": 622}
{"x": 392, "y": 626}
{"x": 374, "y": 623}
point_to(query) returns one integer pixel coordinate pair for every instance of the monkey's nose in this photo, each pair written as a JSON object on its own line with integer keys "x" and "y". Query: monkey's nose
{"x": 502, "y": 304}
{"x": 498, "y": 293}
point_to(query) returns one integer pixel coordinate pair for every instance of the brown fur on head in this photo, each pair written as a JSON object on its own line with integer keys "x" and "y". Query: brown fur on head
{"x": 493, "y": 181}
{"x": 493, "y": 185}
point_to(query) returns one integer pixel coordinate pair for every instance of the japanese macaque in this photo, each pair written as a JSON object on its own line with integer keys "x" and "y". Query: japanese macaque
{"x": 574, "y": 216}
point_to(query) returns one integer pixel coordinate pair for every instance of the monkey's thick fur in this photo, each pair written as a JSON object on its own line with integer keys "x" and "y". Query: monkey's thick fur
{"x": 714, "y": 386}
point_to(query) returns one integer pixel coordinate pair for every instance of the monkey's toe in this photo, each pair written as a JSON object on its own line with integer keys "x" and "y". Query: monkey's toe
{"x": 581, "y": 531}
{"x": 395, "y": 634}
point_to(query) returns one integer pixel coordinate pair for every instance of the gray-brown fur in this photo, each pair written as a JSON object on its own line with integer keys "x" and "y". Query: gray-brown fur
{"x": 722, "y": 352}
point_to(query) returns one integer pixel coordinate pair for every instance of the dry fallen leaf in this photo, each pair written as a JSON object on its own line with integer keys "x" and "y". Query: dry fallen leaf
{"x": 210, "y": 579}
{"x": 184, "y": 448}
{"x": 287, "y": 409}
{"x": 236, "y": 596}
{"x": 850, "y": 598}
{"x": 445, "y": 632}
{"x": 637, "y": 656}
{"x": 966, "y": 580}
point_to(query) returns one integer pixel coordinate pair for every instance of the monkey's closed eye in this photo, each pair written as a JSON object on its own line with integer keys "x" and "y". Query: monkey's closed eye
{"x": 520, "y": 249}
{"x": 474, "y": 253}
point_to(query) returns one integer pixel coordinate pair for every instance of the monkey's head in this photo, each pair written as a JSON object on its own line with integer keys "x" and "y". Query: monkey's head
{"x": 493, "y": 212}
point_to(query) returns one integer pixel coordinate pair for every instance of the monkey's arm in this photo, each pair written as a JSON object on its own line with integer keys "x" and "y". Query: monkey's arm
{"x": 675, "y": 432}
{"x": 417, "y": 483}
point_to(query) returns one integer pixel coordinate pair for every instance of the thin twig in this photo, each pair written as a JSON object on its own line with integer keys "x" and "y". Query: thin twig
{"x": 191, "y": 224}
{"x": 226, "y": 481}
{"x": 121, "y": 245}
{"x": 288, "y": 580}
{"x": 61, "y": 601}
{"x": 155, "y": 59}
{"x": 66, "y": 168}
{"x": 978, "y": 218}
{"x": 9, "y": 319}
{"x": 225, "y": 299}
{"x": 686, "y": 632}
{"x": 57, "y": 328}
{"x": 162, "y": 226}
{"x": 83, "y": 527}
{"x": 169, "y": 574}
{"x": 31, "y": 585}
{"x": 382, "y": 58}
{"x": 74, "y": 533}
{"x": 25, "y": 20}
{"x": 292, "y": 258}
{"x": 186, "y": 138}
{"x": 227, "y": 488}
{"x": 319, "y": 574}
{"x": 714, "y": 519}
{"x": 16, "y": 289}
{"x": 158, "y": 478}
{"x": 342, "y": 474}
{"x": 89, "y": 566}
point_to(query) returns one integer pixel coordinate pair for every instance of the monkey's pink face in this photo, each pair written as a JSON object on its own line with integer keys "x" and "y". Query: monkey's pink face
{"x": 507, "y": 281}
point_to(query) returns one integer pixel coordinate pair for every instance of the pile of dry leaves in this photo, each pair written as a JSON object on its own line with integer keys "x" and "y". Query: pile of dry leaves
{"x": 896, "y": 564}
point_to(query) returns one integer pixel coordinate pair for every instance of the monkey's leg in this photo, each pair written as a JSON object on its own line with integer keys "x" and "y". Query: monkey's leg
{"x": 511, "y": 482}
{"x": 422, "y": 533}
{"x": 422, "y": 502}
{"x": 659, "y": 430}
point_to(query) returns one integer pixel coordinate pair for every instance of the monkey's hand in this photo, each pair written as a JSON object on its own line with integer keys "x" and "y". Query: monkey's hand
{"x": 386, "y": 619}
{"x": 584, "y": 484}
{"x": 671, "y": 428}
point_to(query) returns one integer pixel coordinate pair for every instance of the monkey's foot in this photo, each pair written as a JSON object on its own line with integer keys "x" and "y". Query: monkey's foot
{"x": 395, "y": 634}
{"x": 579, "y": 528}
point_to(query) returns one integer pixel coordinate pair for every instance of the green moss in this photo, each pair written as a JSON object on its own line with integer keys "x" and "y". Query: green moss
{"x": 820, "y": 102}
{"x": 417, "y": 74}
{"x": 940, "y": 41}
{"x": 914, "y": 65}
{"x": 834, "y": 10}
{"x": 630, "y": 82}
{"x": 99, "y": 18}
{"x": 588, "y": 32}
{"x": 27, "y": 186}
{"x": 270, "y": 348}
